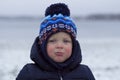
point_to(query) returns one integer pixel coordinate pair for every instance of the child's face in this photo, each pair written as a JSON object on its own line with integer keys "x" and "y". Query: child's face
{"x": 59, "y": 47}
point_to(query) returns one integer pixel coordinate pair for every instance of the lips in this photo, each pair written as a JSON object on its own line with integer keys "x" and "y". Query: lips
{"x": 59, "y": 53}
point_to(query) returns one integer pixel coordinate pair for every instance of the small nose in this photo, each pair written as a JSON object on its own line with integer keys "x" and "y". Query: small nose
{"x": 59, "y": 45}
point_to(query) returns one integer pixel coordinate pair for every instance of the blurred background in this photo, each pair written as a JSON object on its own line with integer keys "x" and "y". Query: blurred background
{"x": 98, "y": 24}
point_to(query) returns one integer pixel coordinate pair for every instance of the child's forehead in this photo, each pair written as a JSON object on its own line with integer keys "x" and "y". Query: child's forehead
{"x": 60, "y": 35}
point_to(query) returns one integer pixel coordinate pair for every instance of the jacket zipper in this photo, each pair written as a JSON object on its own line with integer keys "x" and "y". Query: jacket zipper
{"x": 60, "y": 76}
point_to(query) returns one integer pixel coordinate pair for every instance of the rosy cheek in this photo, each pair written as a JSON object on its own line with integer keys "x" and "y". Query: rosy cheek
{"x": 69, "y": 50}
{"x": 49, "y": 49}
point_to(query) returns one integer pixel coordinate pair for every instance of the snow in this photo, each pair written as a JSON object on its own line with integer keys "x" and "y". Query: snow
{"x": 101, "y": 55}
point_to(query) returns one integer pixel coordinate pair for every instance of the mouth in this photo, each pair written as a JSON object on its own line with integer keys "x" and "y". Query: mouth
{"x": 59, "y": 53}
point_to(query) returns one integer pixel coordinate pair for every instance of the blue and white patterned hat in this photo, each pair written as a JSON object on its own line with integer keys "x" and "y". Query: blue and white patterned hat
{"x": 56, "y": 23}
{"x": 57, "y": 19}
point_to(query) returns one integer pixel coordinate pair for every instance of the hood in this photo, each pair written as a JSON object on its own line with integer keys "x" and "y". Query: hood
{"x": 39, "y": 56}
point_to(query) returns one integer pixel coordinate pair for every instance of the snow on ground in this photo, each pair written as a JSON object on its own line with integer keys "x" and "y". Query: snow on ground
{"x": 101, "y": 55}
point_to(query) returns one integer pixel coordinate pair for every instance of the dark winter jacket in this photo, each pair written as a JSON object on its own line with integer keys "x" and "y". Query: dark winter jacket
{"x": 44, "y": 68}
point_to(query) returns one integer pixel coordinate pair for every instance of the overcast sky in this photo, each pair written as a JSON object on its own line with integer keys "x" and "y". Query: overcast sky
{"x": 77, "y": 7}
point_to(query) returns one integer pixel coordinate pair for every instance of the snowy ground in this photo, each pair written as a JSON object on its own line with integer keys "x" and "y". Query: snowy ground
{"x": 102, "y": 56}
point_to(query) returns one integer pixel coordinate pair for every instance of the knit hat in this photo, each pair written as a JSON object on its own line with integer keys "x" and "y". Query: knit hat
{"x": 57, "y": 19}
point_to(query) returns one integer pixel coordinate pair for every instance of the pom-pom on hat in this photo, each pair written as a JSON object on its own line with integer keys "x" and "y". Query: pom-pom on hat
{"x": 57, "y": 20}
{"x": 57, "y": 8}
